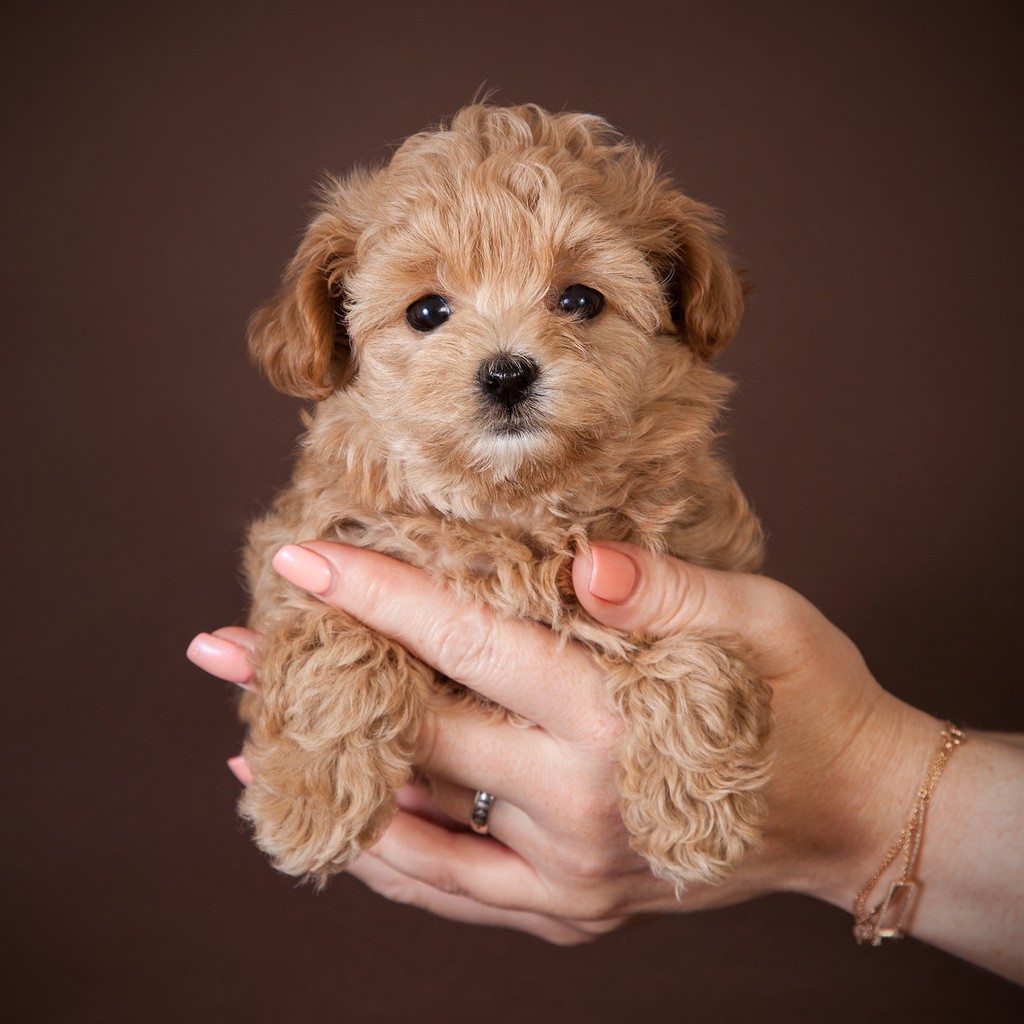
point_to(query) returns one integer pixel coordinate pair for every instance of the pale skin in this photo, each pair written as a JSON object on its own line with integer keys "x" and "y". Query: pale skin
{"x": 848, "y": 759}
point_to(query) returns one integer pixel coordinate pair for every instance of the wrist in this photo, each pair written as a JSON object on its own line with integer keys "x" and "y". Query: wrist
{"x": 863, "y": 800}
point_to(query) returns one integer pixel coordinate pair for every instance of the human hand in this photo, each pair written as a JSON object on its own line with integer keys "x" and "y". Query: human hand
{"x": 558, "y": 862}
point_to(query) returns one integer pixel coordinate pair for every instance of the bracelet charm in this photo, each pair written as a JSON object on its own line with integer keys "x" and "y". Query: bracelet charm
{"x": 894, "y": 908}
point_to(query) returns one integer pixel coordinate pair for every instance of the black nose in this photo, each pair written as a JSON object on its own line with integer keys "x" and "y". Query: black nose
{"x": 506, "y": 380}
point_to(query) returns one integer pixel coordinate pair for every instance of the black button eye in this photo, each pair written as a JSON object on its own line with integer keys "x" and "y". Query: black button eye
{"x": 581, "y": 301}
{"x": 428, "y": 313}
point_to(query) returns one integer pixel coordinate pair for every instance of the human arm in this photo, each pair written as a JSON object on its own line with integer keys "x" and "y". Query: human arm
{"x": 848, "y": 758}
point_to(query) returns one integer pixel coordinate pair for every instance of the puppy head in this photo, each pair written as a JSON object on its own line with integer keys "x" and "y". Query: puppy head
{"x": 503, "y": 297}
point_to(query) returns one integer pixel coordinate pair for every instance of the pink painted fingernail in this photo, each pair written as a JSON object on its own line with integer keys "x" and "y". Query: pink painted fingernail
{"x": 240, "y": 769}
{"x": 222, "y": 659}
{"x": 613, "y": 575}
{"x": 304, "y": 568}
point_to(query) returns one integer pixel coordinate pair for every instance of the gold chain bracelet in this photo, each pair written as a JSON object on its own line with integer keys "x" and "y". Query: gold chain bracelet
{"x": 886, "y": 919}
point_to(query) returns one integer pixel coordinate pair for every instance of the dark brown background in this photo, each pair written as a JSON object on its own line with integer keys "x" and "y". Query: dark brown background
{"x": 158, "y": 164}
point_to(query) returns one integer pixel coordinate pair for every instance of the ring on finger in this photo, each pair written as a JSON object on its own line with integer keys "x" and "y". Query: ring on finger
{"x": 480, "y": 816}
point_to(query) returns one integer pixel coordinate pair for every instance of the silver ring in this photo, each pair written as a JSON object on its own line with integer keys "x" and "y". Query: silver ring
{"x": 480, "y": 816}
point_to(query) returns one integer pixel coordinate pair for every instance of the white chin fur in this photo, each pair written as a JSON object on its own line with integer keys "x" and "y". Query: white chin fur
{"x": 504, "y": 454}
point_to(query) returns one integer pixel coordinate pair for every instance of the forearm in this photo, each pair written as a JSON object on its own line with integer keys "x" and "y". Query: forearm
{"x": 972, "y": 859}
{"x": 970, "y": 870}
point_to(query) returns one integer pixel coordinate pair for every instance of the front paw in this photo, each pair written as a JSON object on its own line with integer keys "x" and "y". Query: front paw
{"x": 332, "y": 727}
{"x": 314, "y": 812}
{"x": 694, "y": 759}
{"x": 688, "y": 838}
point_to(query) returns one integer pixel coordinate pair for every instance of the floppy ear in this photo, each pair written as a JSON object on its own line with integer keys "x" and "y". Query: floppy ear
{"x": 300, "y": 339}
{"x": 705, "y": 293}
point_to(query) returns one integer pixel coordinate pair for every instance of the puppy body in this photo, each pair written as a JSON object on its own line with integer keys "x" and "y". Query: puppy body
{"x": 609, "y": 437}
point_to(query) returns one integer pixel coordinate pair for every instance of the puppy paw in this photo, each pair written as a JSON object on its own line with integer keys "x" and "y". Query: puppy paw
{"x": 689, "y": 839}
{"x": 313, "y": 813}
{"x": 332, "y": 727}
{"x": 694, "y": 759}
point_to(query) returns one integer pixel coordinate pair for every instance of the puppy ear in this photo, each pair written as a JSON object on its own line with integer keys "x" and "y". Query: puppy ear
{"x": 300, "y": 339}
{"x": 705, "y": 293}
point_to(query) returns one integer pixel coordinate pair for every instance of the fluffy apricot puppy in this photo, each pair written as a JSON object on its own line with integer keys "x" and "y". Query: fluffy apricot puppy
{"x": 506, "y": 332}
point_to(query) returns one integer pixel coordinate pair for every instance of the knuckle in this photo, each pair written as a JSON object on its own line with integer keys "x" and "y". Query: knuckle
{"x": 444, "y": 879}
{"x": 681, "y": 600}
{"x": 448, "y": 885}
{"x": 466, "y": 645}
{"x": 582, "y": 893}
{"x": 590, "y": 811}
{"x": 592, "y": 868}
{"x": 596, "y": 860}
{"x": 603, "y": 731}
{"x": 584, "y": 809}
{"x": 402, "y": 891}
{"x": 374, "y": 597}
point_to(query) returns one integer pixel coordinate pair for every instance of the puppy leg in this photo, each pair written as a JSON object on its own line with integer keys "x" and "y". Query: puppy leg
{"x": 694, "y": 757}
{"x": 331, "y": 734}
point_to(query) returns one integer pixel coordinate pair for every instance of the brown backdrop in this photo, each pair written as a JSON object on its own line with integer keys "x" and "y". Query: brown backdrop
{"x": 157, "y": 170}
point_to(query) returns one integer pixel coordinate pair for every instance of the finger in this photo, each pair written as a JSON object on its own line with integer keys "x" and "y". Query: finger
{"x": 246, "y": 638}
{"x": 520, "y": 665}
{"x": 459, "y": 863}
{"x": 393, "y": 885}
{"x": 634, "y": 590}
{"x": 484, "y": 870}
{"x": 417, "y": 798}
{"x": 454, "y": 804}
{"x": 240, "y": 769}
{"x": 225, "y": 654}
{"x": 478, "y": 750}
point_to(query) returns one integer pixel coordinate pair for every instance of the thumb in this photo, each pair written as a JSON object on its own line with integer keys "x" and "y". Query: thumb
{"x": 640, "y": 592}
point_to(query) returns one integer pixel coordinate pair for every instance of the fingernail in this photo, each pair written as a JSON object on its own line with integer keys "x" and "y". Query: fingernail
{"x": 240, "y": 769}
{"x": 222, "y": 659}
{"x": 613, "y": 575}
{"x": 304, "y": 568}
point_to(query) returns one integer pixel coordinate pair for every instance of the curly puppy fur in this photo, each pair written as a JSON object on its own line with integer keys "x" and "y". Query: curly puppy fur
{"x": 499, "y": 212}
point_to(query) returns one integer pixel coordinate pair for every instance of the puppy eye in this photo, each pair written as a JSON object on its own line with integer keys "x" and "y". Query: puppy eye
{"x": 428, "y": 313}
{"x": 581, "y": 301}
